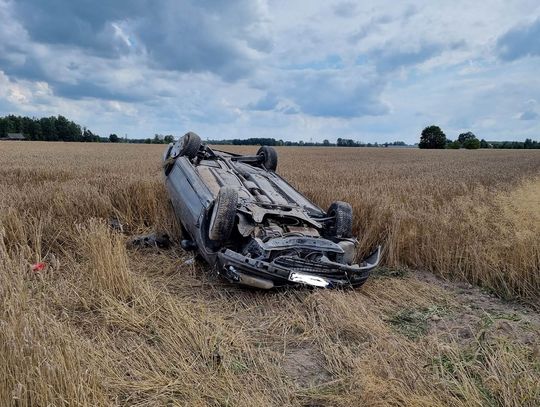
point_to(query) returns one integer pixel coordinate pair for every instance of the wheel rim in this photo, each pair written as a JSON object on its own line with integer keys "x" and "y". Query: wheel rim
{"x": 263, "y": 158}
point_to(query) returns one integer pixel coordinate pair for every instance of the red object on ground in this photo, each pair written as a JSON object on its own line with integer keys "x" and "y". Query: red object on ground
{"x": 38, "y": 266}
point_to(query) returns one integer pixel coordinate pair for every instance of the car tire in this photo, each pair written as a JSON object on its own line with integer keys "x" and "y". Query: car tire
{"x": 269, "y": 157}
{"x": 223, "y": 215}
{"x": 342, "y": 223}
{"x": 190, "y": 145}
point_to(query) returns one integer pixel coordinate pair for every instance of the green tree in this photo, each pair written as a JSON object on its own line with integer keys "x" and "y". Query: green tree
{"x": 463, "y": 137}
{"x": 472, "y": 144}
{"x": 168, "y": 139}
{"x": 88, "y": 136}
{"x": 63, "y": 129}
{"x": 484, "y": 144}
{"x": 3, "y": 127}
{"x": 113, "y": 138}
{"x": 432, "y": 137}
{"x": 48, "y": 128}
{"x": 454, "y": 145}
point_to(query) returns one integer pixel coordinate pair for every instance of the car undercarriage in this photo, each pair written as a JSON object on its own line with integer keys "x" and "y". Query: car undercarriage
{"x": 254, "y": 226}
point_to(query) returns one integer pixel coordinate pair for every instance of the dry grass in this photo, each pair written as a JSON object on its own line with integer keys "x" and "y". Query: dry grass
{"x": 102, "y": 325}
{"x": 468, "y": 215}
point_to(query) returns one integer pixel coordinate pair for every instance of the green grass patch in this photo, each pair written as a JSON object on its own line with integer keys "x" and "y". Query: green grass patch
{"x": 413, "y": 323}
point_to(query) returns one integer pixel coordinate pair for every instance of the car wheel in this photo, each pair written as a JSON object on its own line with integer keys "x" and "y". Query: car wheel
{"x": 342, "y": 223}
{"x": 188, "y": 145}
{"x": 223, "y": 215}
{"x": 191, "y": 143}
{"x": 268, "y": 157}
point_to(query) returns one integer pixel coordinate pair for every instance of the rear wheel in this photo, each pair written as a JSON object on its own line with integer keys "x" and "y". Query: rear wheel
{"x": 268, "y": 157}
{"x": 188, "y": 145}
{"x": 341, "y": 226}
{"x": 223, "y": 215}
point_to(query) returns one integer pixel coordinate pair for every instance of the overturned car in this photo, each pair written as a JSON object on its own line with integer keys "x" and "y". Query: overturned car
{"x": 254, "y": 226}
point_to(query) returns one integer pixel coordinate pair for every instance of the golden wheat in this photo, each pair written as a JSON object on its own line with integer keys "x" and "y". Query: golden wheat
{"x": 103, "y": 325}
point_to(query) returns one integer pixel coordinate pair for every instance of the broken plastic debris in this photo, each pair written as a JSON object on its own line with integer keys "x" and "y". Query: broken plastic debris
{"x": 40, "y": 266}
{"x": 189, "y": 262}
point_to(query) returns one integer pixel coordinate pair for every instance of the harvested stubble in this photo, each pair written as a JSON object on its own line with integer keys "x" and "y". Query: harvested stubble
{"x": 103, "y": 325}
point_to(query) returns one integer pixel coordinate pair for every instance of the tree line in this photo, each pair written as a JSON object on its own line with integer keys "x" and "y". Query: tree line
{"x": 59, "y": 128}
{"x": 265, "y": 141}
{"x": 46, "y": 129}
{"x": 433, "y": 137}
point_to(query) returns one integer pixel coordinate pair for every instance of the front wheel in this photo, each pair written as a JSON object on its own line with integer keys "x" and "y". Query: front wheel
{"x": 268, "y": 157}
{"x": 223, "y": 215}
{"x": 188, "y": 145}
{"x": 341, "y": 225}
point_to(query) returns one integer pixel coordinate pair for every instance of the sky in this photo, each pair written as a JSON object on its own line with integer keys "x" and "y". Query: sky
{"x": 372, "y": 71}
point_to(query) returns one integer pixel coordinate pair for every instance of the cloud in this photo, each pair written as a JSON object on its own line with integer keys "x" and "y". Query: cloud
{"x": 520, "y": 41}
{"x": 186, "y": 36}
{"x": 345, "y": 93}
{"x": 373, "y": 26}
{"x": 345, "y": 9}
{"x": 528, "y": 115}
{"x": 268, "y": 102}
{"x": 392, "y": 57}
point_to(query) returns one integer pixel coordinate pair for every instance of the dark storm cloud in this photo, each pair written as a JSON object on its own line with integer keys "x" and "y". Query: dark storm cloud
{"x": 186, "y": 36}
{"x": 82, "y": 23}
{"x": 520, "y": 41}
{"x": 14, "y": 63}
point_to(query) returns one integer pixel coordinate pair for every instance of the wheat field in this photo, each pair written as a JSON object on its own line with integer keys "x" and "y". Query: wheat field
{"x": 450, "y": 319}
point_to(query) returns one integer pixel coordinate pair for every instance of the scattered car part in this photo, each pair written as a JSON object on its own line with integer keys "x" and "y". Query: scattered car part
{"x": 160, "y": 240}
{"x": 115, "y": 224}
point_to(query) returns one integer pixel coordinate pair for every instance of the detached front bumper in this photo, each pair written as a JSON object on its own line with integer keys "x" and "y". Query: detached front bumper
{"x": 257, "y": 273}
